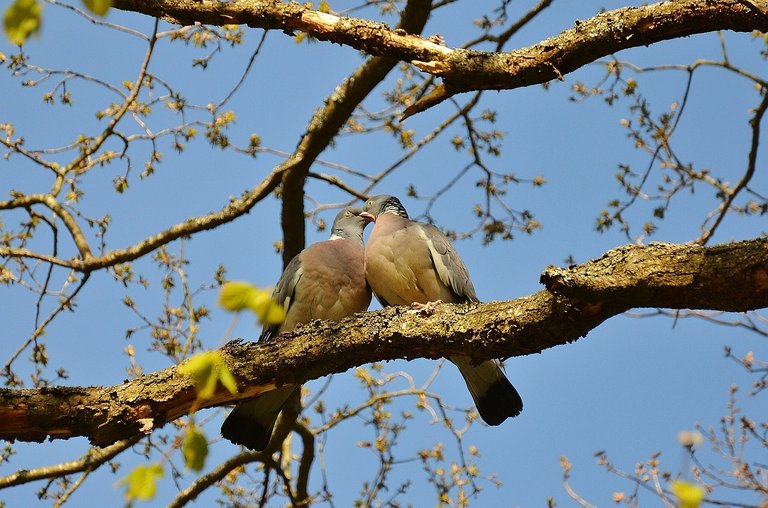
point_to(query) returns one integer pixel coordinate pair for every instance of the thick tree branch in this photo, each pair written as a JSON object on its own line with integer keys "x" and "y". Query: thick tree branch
{"x": 465, "y": 70}
{"x": 729, "y": 277}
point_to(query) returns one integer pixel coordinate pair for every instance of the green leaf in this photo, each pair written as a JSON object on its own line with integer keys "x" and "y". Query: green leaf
{"x": 237, "y": 296}
{"x": 226, "y": 378}
{"x": 266, "y": 309}
{"x": 234, "y": 296}
{"x": 98, "y": 7}
{"x": 22, "y": 19}
{"x": 195, "y": 449}
{"x": 142, "y": 482}
{"x": 206, "y": 370}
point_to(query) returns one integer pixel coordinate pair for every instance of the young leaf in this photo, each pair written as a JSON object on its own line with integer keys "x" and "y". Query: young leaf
{"x": 237, "y": 296}
{"x": 206, "y": 369}
{"x": 142, "y": 482}
{"x": 98, "y": 7}
{"x": 226, "y": 378}
{"x": 266, "y": 309}
{"x": 274, "y": 314}
{"x": 688, "y": 494}
{"x": 22, "y": 19}
{"x": 195, "y": 449}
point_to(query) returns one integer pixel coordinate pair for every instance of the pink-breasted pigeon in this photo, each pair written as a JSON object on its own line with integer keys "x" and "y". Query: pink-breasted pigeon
{"x": 324, "y": 281}
{"x": 409, "y": 262}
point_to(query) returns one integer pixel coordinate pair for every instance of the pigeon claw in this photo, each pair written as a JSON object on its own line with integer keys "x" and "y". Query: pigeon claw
{"x": 425, "y": 309}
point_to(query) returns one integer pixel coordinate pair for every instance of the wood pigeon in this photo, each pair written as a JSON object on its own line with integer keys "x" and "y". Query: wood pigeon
{"x": 324, "y": 281}
{"x": 409, "y": 262}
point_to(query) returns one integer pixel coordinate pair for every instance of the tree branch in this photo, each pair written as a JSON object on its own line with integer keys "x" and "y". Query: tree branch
{"x": 748, "y": 174}
{"x": 88, "y": 462}
{"x": 325, "y": 125}
{"x": 728, "y": 277}
{"x": 464, "y": 70}
{"x": 217, "y": 474}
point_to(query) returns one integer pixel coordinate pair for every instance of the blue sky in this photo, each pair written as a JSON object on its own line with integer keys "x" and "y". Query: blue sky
{"x": 628, "y": 387}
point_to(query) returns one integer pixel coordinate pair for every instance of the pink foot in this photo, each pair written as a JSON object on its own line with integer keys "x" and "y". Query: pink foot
{"x": 425, "y": 309}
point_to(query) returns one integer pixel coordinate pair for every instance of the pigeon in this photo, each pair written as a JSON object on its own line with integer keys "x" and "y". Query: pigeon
{"x": 409, "y": 262}
{"x": 324, "y": 281}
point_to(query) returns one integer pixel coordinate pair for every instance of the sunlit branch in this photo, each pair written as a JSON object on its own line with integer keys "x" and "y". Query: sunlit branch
{"x": 577, "y": 300}
{"x": 235, "y": 208}
{"x": 13, "y": 252}
{"x": 88, "y": 462}
{"x": 462, "y": 70}
{"x": 48, "y": 200}
{"x": 217, "y": 474}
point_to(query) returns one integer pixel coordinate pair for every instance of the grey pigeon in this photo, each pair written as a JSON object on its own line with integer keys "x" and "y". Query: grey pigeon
{"x": 410, "y": 262}
{"x": 324, "y": 281}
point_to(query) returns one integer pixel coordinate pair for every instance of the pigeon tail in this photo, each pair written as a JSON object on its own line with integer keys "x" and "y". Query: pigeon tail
{"x": 495, "y": 397}
{"x": 251, "y": 423}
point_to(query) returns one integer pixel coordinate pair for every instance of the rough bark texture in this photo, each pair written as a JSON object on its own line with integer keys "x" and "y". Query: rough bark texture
{"x": 465, "y": 70}
{"x": 730, "y": 277}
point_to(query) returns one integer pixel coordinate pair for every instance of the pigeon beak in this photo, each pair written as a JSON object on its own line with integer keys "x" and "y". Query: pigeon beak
{"x": 367, "y": 216}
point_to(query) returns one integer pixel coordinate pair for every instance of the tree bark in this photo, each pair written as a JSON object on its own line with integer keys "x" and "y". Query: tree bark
{"x": 465, "y": 70}
{"x": 728, "y": 277}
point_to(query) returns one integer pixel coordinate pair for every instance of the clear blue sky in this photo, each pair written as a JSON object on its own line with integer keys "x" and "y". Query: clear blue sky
{"x": 629, "y": 387}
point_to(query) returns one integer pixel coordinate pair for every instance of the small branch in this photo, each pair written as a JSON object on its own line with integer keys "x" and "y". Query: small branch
{"x": 64, "y": 304}
{"x": 219, "y": 473}
{"x": 88, "y": 462}
{"x": 728, "y": 277}
{"x": 12, "y": 252}
{"x": 504, "y": 36}
{"x": 234, "y": 209}
{"x": 48, "y": 200}
{"x": 305, "y": 463}
{"x": 751, "y": 166}
{"x": 127, "y": 104}
{"x": 337, "y": 182}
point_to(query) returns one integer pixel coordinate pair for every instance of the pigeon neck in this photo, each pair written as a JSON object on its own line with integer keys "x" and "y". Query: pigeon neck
{"x": 395, "y": 208}
{"x": 343, "y": 234}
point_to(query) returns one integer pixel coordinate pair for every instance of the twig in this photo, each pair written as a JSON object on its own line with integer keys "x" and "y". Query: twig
{"x": 751, "y": 166}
